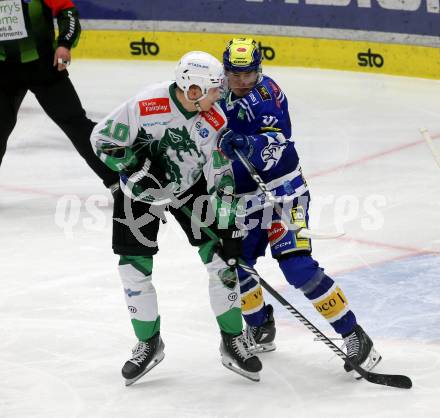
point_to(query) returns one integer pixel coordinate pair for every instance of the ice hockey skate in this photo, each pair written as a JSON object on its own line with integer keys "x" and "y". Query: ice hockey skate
{"x": 360, "y": 350}
{"x": 261, "y": 339}
{"x": 146, "y": 355}
{"x": 236, "y": 356}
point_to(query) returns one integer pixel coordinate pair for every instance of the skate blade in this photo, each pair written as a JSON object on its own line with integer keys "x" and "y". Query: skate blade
{"x": 153, "y": 364}
{"x": 263, "y": 348}
{"x": 229, "y": 364}
{"x": 370, "y": 363}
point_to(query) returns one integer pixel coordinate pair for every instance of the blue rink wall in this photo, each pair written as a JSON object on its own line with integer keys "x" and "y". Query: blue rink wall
{"x": 410, "y": 17}
{"x": 400, "y": 37}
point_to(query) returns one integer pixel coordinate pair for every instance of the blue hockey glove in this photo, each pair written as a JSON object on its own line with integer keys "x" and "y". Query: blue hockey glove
{"x": 229, "y": 141}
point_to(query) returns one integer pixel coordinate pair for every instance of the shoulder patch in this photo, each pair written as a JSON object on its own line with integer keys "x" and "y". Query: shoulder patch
{"x": 264, "y": 93}
{"x": 214, "y": 118}
{"x": 154, "y": 106}
{"x": 274, "y": 87}
{"x": 276, "y": 91}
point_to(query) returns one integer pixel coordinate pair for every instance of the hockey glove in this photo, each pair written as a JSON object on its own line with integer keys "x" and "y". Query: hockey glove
{"x": 143, "y": 186}
{"x": 116, "y": 157}
{"x": 231, "y": 246}
{"x": 230, "y": 141}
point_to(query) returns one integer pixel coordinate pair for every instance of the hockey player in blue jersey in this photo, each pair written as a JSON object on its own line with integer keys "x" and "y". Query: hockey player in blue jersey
{"x": 259, "y": 126}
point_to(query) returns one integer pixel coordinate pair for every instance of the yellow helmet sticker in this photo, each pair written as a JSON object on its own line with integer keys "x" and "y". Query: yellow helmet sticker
{"x": 241, "y": 51}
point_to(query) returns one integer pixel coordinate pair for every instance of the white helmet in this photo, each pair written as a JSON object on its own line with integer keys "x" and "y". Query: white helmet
{"x": 200, "y": 69}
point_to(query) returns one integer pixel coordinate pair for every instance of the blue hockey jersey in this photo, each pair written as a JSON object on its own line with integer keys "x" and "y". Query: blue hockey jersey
{"x": 264, "y": 116}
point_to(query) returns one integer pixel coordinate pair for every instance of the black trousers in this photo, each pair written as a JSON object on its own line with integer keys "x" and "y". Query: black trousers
{"x": 57, "y": 96}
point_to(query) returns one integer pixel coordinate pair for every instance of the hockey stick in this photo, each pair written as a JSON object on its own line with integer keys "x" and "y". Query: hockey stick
{"x": 301, "y": 232}
{"x": 398, "y": 381}
{"x": 432, "y": 147}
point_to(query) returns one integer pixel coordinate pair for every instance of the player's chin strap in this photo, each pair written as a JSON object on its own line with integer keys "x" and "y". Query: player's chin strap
{"x": 197, "y": 105}
{"x": 195, "y": 102}
{"x": 300, "y": 232}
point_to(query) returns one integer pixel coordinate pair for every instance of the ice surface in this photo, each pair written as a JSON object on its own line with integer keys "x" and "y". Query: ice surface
{"x": 64, "y": 329}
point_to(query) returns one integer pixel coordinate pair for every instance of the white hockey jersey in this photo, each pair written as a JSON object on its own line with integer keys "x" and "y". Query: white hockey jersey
{"x": 181, "y": 144}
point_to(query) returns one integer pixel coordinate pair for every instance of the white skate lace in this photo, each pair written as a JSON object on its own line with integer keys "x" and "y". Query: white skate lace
{"x": 353, "y": 344}
{"x": 250, "y": 336}
{"x": 241, "y": 347}
{"x": 140, "y": 352}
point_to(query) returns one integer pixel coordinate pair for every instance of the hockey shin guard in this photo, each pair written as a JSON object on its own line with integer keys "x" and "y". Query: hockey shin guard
{"x": 140, "y": 295}
{"x": 303, "y": 272}
{"x": 252, "y": 302}
{"x": 329, "y": 300}
{"x": 224, "y": 290}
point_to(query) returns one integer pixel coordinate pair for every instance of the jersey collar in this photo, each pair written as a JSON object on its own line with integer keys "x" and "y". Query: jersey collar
{"x": 183, "y": 111}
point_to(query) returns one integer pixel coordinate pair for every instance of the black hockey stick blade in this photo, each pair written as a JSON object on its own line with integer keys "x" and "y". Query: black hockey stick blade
{"x": 397, "y": 381}
{"x": 394, "y": 380}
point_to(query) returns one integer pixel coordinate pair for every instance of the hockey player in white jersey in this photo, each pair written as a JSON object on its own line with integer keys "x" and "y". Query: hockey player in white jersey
{"x": 163, "y": 142}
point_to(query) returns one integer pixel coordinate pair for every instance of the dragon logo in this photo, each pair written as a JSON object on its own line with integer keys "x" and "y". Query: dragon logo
{"x": 179, "y": 141}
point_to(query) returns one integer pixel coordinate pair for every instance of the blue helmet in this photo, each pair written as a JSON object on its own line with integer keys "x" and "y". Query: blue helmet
{"x": 242, "y": 54}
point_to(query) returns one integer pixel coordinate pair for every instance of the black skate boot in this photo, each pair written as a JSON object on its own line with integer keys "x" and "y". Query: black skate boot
{"x": 237, "y": 357}
{"x": 146, "y": 355}
{"x": 360, "y": 350}
{"x": 261, "y": 339}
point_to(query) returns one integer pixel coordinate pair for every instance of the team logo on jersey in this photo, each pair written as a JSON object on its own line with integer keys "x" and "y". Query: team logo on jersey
{"x": 271, "y": 154}
{"x": 154, "y": 106}
{"x": 276, "y": 232}
{"x": 241, "y": 114}
{"x": 204, "y": 133}
{"x": 270, "y": 120}
{"x": 132, "y": 309}
{"x": 214, "y": 118}
{"x": 264, "y": 93}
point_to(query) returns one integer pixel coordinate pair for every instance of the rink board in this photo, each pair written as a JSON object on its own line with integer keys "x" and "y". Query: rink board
{"x": 409, "y": 17}
{"x": 363, "y": 56}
